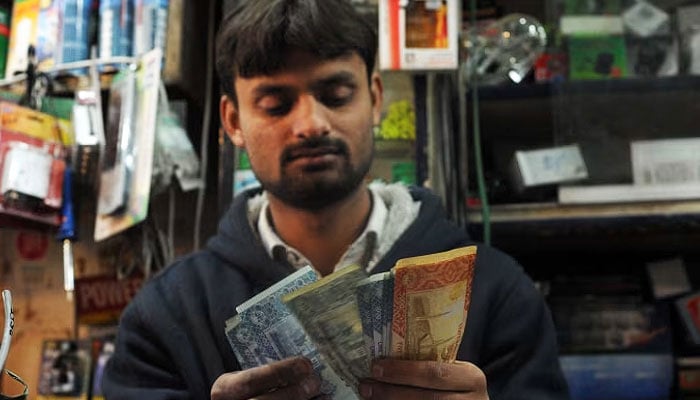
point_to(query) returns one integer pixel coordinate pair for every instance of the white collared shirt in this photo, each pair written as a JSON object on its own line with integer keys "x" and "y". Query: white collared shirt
{"x": 357, "y": 253}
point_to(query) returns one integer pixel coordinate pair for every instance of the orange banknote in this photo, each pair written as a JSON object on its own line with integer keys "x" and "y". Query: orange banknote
{"x": 431, "y": 301}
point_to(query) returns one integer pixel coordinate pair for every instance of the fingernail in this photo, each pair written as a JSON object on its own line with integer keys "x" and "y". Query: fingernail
{"x": 366, "y": 391}
{"x": 311, "y": 385}
{"x": 377, "y": 371}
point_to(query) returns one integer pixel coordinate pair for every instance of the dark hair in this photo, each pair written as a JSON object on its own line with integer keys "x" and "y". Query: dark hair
{"x": 255, "y": 37}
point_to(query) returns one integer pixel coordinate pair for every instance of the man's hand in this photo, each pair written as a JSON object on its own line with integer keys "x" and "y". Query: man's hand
{"x": 292, "y": 378}
{"x": 409, "y": 380}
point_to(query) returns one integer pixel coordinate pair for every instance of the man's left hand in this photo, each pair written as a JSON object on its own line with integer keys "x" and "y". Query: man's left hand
{"x": 409, "y": 380}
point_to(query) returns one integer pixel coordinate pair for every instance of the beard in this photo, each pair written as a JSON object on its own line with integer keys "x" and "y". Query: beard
{"x": 310, "y": 189}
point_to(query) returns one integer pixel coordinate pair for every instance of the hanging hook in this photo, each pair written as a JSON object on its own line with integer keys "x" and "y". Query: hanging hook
{"x": 26, "y": 99}
{"x": 38, "y": 84}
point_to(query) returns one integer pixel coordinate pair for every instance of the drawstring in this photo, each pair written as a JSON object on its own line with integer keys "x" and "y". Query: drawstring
{"x": 370, "y": 245}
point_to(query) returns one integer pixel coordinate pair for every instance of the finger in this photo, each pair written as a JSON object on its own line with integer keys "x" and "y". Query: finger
{"x": 385, "y": 391}
{"x": 457, "y": 377}
{"x": 260, "y": 380}
{"x": 306, "y": 389}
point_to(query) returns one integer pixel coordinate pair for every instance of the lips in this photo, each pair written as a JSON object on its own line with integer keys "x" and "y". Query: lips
{"x": 313, "y": 152}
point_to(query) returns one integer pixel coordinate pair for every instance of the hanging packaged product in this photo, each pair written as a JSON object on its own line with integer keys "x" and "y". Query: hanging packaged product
{"x": 174, "y": 154}
{"x": 26, "y": 177}
{"x": 418, "y": 35}
{"x": 117, "y": 160}
{"x": 127, "y": 161}
{"x": 31, "y": 165}
{"x": 89, "y": 135}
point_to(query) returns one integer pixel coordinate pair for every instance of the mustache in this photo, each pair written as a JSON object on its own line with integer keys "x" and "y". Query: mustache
{"x": 313, "y": 146}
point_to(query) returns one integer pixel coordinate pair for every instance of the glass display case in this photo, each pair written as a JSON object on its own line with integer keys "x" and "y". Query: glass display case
{"x": 591, "y": 169}
{"x": 619, "y": 82}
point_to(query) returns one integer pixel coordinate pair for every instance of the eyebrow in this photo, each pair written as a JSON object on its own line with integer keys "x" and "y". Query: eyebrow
{"x": 265, "y": 89}
{"x": 339, "y": 78}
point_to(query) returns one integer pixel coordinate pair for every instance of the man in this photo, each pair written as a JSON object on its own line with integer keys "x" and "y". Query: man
{"x": 301, "y": 97}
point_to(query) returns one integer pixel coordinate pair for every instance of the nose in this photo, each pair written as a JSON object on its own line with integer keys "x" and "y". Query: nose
{"x": 310, "y": 118}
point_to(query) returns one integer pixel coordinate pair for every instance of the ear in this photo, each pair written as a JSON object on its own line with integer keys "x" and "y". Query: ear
{"x": 230, "y": 121}
{"x": 377, "y": 92}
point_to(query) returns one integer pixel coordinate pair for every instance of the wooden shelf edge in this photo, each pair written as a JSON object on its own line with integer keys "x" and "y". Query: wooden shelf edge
{"x": 534, "y": 212}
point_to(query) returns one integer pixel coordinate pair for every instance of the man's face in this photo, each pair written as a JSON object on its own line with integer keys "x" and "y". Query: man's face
{"x": 307, "y": 129}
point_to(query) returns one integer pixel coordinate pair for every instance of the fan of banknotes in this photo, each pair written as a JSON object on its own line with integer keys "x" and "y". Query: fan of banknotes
{"x": 416, "y": 311}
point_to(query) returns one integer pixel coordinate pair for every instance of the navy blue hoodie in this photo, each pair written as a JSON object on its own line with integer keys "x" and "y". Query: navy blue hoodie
{"x": 171, "y": 342}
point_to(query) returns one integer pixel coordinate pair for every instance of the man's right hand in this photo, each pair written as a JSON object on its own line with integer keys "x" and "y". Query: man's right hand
{"x": 292, "y": 378}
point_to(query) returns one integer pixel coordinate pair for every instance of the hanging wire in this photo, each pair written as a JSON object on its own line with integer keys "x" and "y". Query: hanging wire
{"x": 449, "y": 150}
{"x": 462, "y": 146}
{"x": 206, "y": 123}
{"x": 476, "y": 127}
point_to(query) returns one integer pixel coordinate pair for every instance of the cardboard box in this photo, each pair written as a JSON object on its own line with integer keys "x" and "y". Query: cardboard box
{"x": 666, "y": 161}
{"x": 418, "y": 35}
{"x": 548, "y": 166}
{"x": 597, "y": 57}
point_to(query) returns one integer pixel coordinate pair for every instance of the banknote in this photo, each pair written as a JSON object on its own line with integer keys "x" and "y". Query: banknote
{"x": 364, "y": 304}
{"x": 265, "y": 331}
{"x": 244, "y": 357}
{"x": 387, "y": 312}
{"x": 431, "y": 301}
{"x": 328, "y": 311}
{"x": 371, "y": 302}
{"x": 299, "y": 279}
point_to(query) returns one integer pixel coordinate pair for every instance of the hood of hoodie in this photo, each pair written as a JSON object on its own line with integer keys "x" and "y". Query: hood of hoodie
{"x": 238, "y": 242}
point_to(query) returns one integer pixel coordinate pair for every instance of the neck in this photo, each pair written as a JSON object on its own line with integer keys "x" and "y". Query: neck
{"x": 322, "y": 236}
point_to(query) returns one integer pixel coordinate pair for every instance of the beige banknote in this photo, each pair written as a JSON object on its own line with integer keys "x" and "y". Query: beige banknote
{"x": 328, "y": 311}
{"x": 431, "y": 301}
